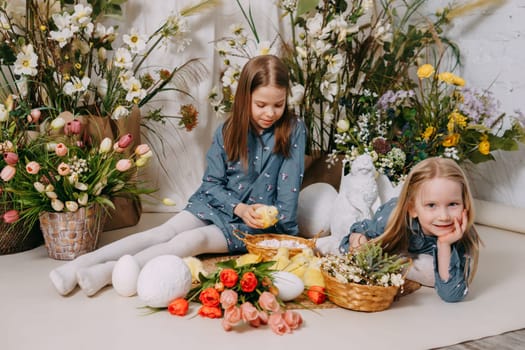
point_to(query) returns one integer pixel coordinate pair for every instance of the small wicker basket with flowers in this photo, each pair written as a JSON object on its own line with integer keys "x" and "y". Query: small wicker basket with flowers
{"x": 366, "y": 279}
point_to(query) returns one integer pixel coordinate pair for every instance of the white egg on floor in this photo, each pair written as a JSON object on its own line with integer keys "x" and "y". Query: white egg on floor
{"x": 163, "y": 279}
{"x": 125, "y": 276}
{"x": 290, "y": 286}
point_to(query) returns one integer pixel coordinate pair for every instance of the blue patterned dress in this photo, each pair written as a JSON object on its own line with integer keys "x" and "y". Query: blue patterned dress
{"x": 271, "y": 179}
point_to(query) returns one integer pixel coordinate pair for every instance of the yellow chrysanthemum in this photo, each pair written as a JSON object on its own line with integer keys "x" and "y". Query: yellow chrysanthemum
{"x": 429, "y": 131}
{"x": 447, "y": 77}
{"x": 458, "y": 81}
{"x": 425, "y": 71}
{"x": 451, "y": 79}
{"x": 456, "y": 119}
{"x": 484, "y": 145}
{"x": 451, "y": 140}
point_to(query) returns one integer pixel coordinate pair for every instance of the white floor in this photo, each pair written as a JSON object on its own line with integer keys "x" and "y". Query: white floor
{"x": 34, "y": 316}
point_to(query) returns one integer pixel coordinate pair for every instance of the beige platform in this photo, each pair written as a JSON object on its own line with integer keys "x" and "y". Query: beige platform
{"x": 34, "y": 316}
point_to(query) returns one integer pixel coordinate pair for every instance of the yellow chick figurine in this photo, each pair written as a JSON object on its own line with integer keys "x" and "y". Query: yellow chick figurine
{"x": 281, "y": 259}
{"x": 268, "y": 215}
{"x": 312, "y": 275}
{"x": 300, "y": 262}
{"x": 248, "y": 259}
{"x": 195, "y": 266}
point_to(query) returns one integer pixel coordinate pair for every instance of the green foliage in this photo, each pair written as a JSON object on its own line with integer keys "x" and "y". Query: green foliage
{"x": 367, "y": 265}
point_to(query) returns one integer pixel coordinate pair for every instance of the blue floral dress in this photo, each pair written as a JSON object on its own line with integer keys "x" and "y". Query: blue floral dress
{"x": 453, "y": 290}
{"x": 271, "y": 179}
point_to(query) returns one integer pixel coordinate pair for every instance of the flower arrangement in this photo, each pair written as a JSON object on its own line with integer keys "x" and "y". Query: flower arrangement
{"x": 61, "y": 56}
{"x": 441, "y": 117}
{"x": 368, "y": 265}
{"x": 60, "y": 172}
{"x": 238, "y": 293}
{"x": 338, "y": 52}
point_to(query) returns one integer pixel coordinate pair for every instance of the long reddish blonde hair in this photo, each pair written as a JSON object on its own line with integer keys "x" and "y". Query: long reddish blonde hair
{"x": 397, "y": 231}
{"x": 265, "y": 70}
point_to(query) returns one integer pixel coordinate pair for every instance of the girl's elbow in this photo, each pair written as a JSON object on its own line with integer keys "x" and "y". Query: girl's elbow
{"x": 458, "y": 293}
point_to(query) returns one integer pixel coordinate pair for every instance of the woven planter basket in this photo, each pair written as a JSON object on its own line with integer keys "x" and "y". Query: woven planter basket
{"x": 68, "y": 235}
{"x": 19, "y": 238}
{"x": 253, "y": 243}
{"x": 358, "y": 297}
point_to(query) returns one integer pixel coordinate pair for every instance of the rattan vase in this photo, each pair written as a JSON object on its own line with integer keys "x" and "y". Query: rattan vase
{"x": 68, "y": 235}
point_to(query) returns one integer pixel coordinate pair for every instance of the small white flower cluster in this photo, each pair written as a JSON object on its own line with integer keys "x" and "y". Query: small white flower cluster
{"x": 78, "y": 165}
{"x": 345, "y": 270}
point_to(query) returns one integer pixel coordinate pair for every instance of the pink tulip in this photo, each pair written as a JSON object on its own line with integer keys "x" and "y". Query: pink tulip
{"x": 249, "y": 312}
{"x": 125, "y": 141}
{"x": 142, "y": 149}
{"x": 263, "y": 317}
{"x": 228, "y": 298}
{"x": 268, "y": 302}
{"x": 73, "y": 127}
{"x": 123, "y": 165}
{"x": 8, "y": 172}
{"x": 63, "y": 169}
{"x": 232, "y": 316}
{"x": 293, "y": 319}
{"x": 35, "y": 115}
{"x": 11, "y": 158}
{"x": 33, "y": 168}
{"x": 278, "y": 324}
{"x": 61, "y": 150}
{"x": 10, "y": 216}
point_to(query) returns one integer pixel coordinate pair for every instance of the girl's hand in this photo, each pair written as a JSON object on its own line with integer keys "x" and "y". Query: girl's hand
{"x": 356, "y": 240}
{"x": 460, "y": 226}
{"x": 248, "y": 214}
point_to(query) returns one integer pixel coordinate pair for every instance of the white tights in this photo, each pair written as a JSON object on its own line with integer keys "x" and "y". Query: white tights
{"x": 182, "y": 235}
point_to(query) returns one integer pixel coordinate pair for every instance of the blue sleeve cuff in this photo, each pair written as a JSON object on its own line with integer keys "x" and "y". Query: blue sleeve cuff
{"x": 455, "y": 288}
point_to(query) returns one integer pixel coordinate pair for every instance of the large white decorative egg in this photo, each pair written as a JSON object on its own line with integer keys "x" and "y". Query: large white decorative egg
{"x": 125, "y": 276}
{"x": 314, "y": 209}
{"x": 290, "y": 286}
{"x": 163, "y": 279}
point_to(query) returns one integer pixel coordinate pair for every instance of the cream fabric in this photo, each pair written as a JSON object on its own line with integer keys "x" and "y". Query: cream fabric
{"x": 34, "y": 316}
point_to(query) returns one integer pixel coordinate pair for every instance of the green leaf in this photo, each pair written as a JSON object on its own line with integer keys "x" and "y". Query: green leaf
{"x": 303, "y": 6}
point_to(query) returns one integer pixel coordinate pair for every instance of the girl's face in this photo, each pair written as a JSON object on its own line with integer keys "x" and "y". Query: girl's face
{"x": 438, "y": 202}
{"x": 268, "y": 104}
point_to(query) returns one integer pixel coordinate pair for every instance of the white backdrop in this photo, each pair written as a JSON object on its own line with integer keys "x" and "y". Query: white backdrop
{"x": 492, "y": 41}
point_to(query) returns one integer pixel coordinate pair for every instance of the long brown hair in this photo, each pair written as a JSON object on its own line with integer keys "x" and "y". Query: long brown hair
{"x": 265, "y": 70}
{"x": 397, "y": 231}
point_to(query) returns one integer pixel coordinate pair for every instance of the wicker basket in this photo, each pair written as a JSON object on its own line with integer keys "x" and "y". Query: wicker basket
{"x": 253, "y": 245}
{"x": 68, "y": 235}
{"x": 19, "y": 238}
{"x": 358, "y": 297}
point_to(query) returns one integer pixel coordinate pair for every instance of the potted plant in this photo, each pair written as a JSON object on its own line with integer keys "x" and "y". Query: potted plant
{"x": 60, "y": 178}
{"x": 65, "y": 56}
